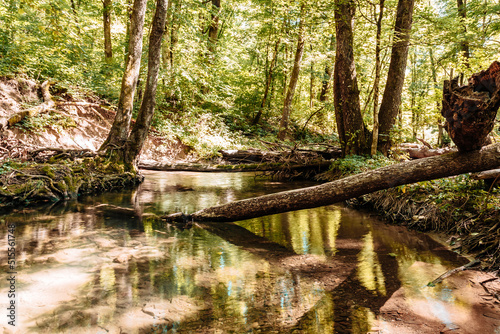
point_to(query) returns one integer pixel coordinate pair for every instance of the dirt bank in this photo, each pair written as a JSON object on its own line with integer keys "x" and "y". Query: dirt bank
{"x": 81, "y": 120}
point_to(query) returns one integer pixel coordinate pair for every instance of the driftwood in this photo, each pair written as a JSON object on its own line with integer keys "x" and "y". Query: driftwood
{"x": 352, "y": 186}
{"x": 291, "y": 155}
{"x": 489, "y": 174}
{"x": 470, "y": 110}
{"x": 249, "y": 156}
{"x": 490, "y": 177}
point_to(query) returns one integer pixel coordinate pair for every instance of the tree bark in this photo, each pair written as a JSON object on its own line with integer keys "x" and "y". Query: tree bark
{"x": 350, "y": 126}
{"x": 470, "y": 110}
{"x": 268, "y": 83}
{"x": 350, "y": 187}
{"x": 294, "y": 78}
{"x": 376, "y": 82}
{"x": 120, "y": 130}
{"x": 143, "y": 122}
{"x": 213, "y": 30}
{"x": 325, "y": 85}
{"x": 391, "y": 100}
{"x": 106, "y": 15}
{"x": 464, "y": 43}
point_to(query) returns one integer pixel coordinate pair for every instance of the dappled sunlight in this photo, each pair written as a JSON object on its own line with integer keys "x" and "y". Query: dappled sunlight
{"x": 89, "y": 269}
{"x": 369, "y": 269}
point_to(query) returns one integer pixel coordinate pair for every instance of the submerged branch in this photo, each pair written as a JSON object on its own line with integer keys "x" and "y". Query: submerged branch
{"x": 453, "y": 271}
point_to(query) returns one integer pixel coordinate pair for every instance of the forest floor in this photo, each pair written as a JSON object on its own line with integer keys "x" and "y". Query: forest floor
{"x": 420, "y": 206}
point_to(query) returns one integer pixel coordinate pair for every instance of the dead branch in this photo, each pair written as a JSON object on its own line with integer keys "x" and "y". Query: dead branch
{"x": 453, "y": 271}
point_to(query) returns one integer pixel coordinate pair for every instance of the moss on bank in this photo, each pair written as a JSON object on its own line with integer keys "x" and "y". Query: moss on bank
{"x": 23, "y": 183}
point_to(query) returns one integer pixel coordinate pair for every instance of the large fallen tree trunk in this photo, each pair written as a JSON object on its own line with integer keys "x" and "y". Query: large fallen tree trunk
{"x": 350, "y": 187}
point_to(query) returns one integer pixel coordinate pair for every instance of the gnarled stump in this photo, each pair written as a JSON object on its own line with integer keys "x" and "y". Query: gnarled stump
{"x": 470, "y": 110}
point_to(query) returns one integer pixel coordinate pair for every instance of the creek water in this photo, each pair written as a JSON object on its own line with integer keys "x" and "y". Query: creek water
{"x": 84, "y": 267}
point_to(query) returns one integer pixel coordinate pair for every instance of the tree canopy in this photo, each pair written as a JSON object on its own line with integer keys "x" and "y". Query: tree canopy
{"x": 225, "y": 62}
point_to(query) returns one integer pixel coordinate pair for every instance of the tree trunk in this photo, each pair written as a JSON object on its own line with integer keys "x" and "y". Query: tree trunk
{"x": 440, "y": 138}
{"x": 311, "y": 83}
{"x": 396, "y": 76}
{"x": 75, "y": 15}
{"x": 350, "y": 126}
{"x": 268, "y": 82}
{"x": 470, "y": 110}
{"x": 294, "y": 78}
{"x": 143, "y": 122}
{"x": 106, "y": 14}
{"x": 464, "y": 43}
{"x": 351, "y": 187}
{"x": 120, "y": 130}
{"x": 325, "y": 85}
{"x": 377, "y": 79}
{"x": 213, "y": 29}
{"x": 174, "y": 35}
{"x": 166, "y": 42}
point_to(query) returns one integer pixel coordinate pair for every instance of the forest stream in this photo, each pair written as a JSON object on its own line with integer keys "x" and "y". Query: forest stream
{"x": 85, "y": 267}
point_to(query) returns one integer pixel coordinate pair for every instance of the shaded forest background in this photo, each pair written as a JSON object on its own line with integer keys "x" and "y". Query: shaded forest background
{"x": 226, "y": 67}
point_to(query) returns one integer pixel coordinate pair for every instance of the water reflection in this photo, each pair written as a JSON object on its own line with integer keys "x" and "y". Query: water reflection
{"x": 88, "y": 268}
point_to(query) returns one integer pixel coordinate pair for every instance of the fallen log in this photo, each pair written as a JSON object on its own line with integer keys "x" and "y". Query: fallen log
{"x": 353, "y": 186}
{"x": 491, "y": 178}
{"x": 453, "y": 271}
{"x": 489, "y": 174}
{"x": 299, "y": 155}
{"x": 255, "y": 167}
{"x": 416, "y": 151}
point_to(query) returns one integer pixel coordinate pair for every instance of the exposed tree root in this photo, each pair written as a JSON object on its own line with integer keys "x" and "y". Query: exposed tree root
{"x": 26, "y": 183}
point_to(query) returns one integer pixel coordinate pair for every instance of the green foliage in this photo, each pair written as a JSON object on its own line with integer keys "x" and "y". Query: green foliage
{"x": 356, "y": 164}
{"x": 7, "y": 165}
{"x": 200, "y": 130}
{"x": 63, "y": 40}
{"x": 460, "y": 195}
{"x": 53, "y": 120}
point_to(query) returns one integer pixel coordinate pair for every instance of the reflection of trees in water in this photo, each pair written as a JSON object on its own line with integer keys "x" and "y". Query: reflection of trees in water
{"x": 231, "y": 288}
{"x": 220, "y": 285}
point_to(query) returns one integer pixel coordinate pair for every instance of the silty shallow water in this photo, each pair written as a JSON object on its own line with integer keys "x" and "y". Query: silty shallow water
{"x": 83, "y": 267}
